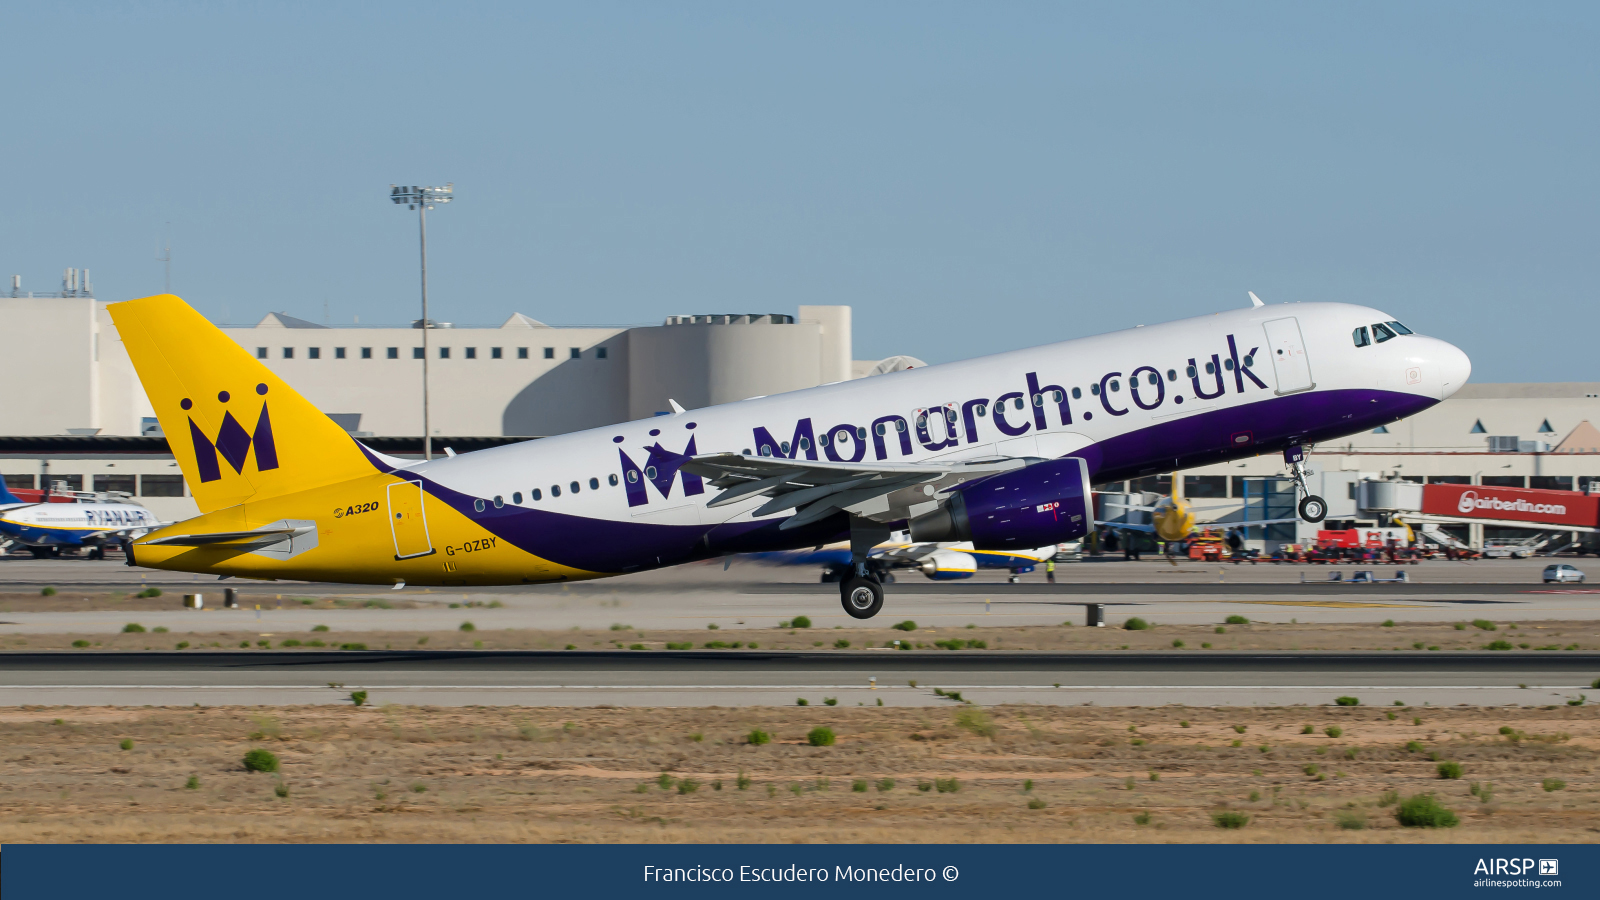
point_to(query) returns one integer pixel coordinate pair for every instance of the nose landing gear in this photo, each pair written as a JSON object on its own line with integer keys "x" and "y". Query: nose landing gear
{"x": 1312, "y": 508}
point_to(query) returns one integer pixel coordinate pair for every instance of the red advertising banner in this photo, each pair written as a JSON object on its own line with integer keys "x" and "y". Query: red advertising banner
{"x": 1514, "y": 504}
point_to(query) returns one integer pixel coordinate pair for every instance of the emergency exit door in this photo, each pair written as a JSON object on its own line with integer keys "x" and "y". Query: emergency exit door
{"x": 408, "y": 520}
{"x": 1288, "y": 351}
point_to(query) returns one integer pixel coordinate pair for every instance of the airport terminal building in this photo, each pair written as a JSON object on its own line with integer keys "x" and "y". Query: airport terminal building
{"x": 76, "y": 415}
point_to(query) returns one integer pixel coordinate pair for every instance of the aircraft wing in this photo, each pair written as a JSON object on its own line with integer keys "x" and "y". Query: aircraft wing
{"x": 1198, "y": 526}
{"x": 819, "y": 488}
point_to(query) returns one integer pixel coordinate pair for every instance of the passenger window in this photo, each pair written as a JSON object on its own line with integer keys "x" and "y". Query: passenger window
{"x": 633, "y": 477}
{"x": 1116, "y": 385}
{"x": 594, "y": 484}
{"x": 499, "y": 502}
{"x": 1228, "y": 364}
{"x": 477, "y": 505}
{"x": 1211, "y": 368}
{"x": 516, "y": 497}
{"x": 555, "y": 490}
{"x": 612, "y": 479}
{"x": 1172, "y": 374}
{"x": 536, "y": 494}
{"x": 1017, "y": 403}
{"x": 1400, "y": 329}
{"x": 1153, "y": 378}
{"x": 1189, "y": 370}
{"x": 1077, "y": 393}
{"x": 1381, "y": 333}
{"x": 1360, "y": 336}
{"x": 574, "y": 487}
{"x": 1094, "y": 389}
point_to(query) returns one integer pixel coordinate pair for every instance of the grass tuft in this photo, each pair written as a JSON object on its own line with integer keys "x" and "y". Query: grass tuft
{"x": 260, "y": 761}
{"x": 975, "y": 720}
{"x": 1229, "y": 819}
{"x": 1425, "y": 811}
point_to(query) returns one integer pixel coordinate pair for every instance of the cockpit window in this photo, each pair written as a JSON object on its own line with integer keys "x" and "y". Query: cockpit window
{"x": 1360, "y": 337}
{"x": 1381, "y": 333}
{"x": 1400, "y": 329}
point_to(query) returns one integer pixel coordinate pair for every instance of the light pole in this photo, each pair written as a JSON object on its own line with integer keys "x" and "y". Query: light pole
{"x": 423, "y": 199}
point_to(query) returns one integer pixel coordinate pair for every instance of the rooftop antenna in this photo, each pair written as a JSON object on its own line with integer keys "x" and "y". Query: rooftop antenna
{"x": 166, "y": 257}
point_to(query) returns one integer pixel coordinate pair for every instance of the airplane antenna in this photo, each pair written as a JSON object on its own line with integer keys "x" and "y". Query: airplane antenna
{"x": 1254, "y": 300}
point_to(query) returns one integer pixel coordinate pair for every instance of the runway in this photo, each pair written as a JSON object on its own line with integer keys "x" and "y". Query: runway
{"x": 700, "y": 678}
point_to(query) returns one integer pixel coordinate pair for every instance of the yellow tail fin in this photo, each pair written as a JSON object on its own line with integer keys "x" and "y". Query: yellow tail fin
{"x": 238, "y": 431}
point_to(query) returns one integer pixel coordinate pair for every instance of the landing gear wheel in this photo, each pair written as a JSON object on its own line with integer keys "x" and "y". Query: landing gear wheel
{"x": 1313, "y": 509}
{"x": 862, "y": 597}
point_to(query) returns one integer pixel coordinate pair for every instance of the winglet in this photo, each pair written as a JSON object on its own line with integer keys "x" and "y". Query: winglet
{"x": 677, "y": 410}
{"x": 1254, "y": 300}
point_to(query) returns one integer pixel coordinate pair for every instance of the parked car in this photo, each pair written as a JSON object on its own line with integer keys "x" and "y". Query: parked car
{"x": 1561, "y": 572}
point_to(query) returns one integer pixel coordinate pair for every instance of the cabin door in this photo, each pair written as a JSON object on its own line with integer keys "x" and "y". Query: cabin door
{"x": 1288, "y": 353}
{"x": 408, "y": 520}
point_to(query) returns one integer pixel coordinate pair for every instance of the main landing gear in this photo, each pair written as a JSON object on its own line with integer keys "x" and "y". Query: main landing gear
{"x": 861, "y": 591}
{"x": 1312, "y": 508}
{"x": 862, "y": 596}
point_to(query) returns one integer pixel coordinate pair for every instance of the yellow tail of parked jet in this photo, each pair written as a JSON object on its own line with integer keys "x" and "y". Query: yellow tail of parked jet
{"x": 239, "y": 433}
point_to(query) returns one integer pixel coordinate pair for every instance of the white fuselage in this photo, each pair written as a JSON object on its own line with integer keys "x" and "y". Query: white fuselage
{"x": 1144, "y": 400}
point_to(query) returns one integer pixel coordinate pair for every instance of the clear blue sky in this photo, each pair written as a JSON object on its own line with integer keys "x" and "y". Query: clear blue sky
{"x": 970, "y": 177}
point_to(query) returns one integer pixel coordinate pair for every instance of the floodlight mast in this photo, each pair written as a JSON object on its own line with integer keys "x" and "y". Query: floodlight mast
{"x": 423, "y": 199}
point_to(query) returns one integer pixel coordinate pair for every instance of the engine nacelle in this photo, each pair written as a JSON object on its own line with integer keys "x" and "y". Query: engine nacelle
{"x": 1045, "y": 503}
{"x": 944, "y": 565}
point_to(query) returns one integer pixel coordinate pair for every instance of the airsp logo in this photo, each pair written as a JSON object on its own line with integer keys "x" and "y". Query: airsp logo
{"x": 1515, "y": 867}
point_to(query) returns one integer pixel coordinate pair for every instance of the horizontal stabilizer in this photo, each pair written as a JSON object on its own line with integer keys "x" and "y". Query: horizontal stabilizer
{"x": 264, "y": 537}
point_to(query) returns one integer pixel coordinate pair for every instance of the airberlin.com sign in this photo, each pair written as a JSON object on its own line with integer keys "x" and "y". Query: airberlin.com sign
{"x": 1512, "y": 504}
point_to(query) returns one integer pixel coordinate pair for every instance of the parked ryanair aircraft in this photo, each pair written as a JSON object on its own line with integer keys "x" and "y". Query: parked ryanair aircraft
{"x": 998, "y": 451}
{"x": 46, "y": 528}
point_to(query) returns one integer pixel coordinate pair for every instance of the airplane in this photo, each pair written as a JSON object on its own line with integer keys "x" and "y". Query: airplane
{"x": 1173, "y": 518}
{"x": 938, "y": 561}
{"x": 997, "y": 450}
{"x": 46, "y": 528}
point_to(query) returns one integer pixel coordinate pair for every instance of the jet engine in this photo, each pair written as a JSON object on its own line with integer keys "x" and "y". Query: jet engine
{"x": 1046, "y": 503}
{"x": 944, "y": 565}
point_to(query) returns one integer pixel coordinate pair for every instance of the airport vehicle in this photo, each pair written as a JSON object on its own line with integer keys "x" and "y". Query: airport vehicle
{"x": 46, "y": 528}
{"x": 1562, "y": 572}
{"x": 999, "y": 451}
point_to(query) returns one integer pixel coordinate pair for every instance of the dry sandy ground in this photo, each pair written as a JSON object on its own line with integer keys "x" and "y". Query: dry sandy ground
{"x": 1441, "y": 636}
{"x": 111, "y": 601}
{"x": 642, "y": 775}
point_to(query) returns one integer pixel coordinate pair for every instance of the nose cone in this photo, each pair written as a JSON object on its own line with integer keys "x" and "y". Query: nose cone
{"x": 1453, "y": 366}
